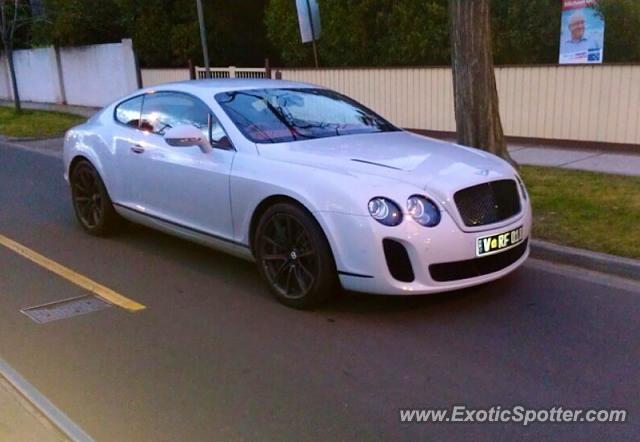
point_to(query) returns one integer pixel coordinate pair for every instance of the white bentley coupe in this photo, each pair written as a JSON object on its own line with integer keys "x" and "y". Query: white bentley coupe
{"x": 317, "y": 189}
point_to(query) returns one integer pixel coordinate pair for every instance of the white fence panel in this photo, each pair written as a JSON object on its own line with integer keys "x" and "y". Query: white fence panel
{"x": 99, "y": 74}
{"x": 37, "y": 75}
{"x": 231, "y": 72}
{"x": 85, "y": 76}
{"x": 5, "y": 82}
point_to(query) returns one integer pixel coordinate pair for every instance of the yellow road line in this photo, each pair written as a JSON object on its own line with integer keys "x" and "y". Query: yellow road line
{"x": 99, "y": 290}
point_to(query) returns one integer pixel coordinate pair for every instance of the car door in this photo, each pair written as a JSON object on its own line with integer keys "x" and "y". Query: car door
{"x": 181, "y": 185}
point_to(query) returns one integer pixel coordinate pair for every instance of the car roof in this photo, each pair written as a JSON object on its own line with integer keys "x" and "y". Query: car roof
{"x": 214, "y": 86}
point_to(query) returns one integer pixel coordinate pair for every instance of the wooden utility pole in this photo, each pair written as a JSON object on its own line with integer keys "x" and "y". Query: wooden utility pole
{"x": 474, "y": 83}
{"x": 313, "y": 35}
{"x": 203, "y": 38}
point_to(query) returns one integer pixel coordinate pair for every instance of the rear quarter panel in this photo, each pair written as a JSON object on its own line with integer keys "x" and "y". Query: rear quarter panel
{"x": 93, "y": 141}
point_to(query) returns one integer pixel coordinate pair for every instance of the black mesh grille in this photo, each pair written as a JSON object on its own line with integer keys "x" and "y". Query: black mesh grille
{"x": 398, "y": 260}
{"x": 453, "y": 271}
{"x": 488, "y": 203}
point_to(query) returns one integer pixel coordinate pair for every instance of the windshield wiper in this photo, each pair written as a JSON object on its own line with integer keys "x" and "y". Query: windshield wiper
{"x": 250, "y": 123}
{"x": 277, "y": 113}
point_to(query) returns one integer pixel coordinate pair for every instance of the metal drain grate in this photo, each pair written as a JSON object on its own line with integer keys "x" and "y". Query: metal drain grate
{"x": 66, "y": 308}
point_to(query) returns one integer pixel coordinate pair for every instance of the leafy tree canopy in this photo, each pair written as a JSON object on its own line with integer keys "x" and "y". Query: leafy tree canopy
{"x": 416, "y": 32}
{"x": 621, "y": 36}
{"x": 354, "y": 32}
{"x": 165, "y": 32}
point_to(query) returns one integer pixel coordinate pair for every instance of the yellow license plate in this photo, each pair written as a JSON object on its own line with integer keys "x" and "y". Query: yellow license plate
{"x": 487, "y": 245}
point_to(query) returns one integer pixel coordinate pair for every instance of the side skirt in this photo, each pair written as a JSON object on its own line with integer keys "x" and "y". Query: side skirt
{"x": 222, "y": 244}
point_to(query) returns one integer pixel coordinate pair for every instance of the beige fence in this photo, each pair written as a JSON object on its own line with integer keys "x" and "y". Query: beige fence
{"x": 153, "y": 77}
{"x": 587, "y": 103}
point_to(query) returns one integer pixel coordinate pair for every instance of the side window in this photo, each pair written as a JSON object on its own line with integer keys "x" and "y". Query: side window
{"x": 128, "y": 113}
{"x": 163, "y": 110}
{"x": 218, "y": 135}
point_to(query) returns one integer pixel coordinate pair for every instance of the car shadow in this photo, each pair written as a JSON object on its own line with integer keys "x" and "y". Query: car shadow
{"x": 362, "y": 303}
{"x": 243, "y": 274}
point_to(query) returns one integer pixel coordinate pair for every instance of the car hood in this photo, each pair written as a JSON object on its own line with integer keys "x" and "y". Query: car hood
{"x": 432, "y": 165}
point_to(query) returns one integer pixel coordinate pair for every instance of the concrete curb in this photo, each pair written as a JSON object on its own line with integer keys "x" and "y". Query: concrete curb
{"x": 8, "y": 139}
{"x": 48, "y": 409}
{"x": 48, "y": 152}
{"x": 600, "y": 262}
{"x": 81, "y": 111}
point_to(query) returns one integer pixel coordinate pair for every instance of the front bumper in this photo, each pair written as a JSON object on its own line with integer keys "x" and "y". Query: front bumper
{"x": 357, "y": 243}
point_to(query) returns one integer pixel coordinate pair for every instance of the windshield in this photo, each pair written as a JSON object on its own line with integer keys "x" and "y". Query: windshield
{"x": 284, "y": 115}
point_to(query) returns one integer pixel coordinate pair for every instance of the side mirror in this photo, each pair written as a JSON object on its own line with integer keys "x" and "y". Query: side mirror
{"x": 187, "y": 136}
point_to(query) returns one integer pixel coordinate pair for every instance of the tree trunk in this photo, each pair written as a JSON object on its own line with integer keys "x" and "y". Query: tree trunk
{"x": 8, "y": 25}
{"x": 14, "y": 82}
{"x": 474, "y": 83}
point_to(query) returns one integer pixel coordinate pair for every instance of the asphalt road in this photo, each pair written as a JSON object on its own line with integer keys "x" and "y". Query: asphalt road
{"x": 214, "y": 357}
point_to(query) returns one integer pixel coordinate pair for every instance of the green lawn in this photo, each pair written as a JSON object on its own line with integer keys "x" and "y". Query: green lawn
{"x": 584, "y": 209}
{"x": 31, "y": 123}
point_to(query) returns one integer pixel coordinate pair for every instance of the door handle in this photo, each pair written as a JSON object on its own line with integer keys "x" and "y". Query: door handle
{"x": 136, "y": 148}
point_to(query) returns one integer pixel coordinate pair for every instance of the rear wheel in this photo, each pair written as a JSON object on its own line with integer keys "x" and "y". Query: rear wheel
{"x": 91, "y": 203}
{"x": 294, "y": 257}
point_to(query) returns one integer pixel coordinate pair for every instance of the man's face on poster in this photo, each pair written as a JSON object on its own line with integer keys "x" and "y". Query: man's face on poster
{"x": 576, "y": 26}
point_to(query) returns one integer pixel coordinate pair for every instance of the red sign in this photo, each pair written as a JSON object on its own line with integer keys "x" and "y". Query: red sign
{"x": 577, "y": 4}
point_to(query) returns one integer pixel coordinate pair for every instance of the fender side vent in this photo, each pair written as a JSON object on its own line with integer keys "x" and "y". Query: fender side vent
{"x": 398, "y": 260}
{"x": 375, "y": 164}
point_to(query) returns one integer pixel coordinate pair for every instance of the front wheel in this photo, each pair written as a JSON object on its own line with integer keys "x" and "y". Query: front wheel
{"x": 294, "y": 257}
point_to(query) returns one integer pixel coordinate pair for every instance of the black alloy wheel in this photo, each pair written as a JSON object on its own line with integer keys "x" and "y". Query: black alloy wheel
{"x": 294, "y": 257}
{"x": 91, "y": 202}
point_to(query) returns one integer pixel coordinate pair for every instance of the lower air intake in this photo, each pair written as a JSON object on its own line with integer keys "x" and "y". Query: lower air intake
{"x": 398, "y": 260}
{"x": 453, "y": 271}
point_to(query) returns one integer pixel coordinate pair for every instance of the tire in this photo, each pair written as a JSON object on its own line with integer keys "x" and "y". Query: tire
{"x": 294, "y": 257}
{"x": 91, "y": 202}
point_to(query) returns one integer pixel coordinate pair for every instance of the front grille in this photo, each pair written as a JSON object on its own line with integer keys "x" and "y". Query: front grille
{"x": 488, "y": 203}
{"x": 453, "y": 271}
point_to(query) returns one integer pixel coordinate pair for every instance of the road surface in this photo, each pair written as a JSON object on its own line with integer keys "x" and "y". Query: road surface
{"x": 214, "y": 357}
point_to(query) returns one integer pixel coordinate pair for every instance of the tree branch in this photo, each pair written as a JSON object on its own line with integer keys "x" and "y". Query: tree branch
{"x": 3, "y": 23}
{"x": 12, "y": 29}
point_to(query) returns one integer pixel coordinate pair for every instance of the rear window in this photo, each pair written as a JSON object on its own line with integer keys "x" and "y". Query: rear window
{"x": 162, "y": 111}
{"x": 128, "y": 112}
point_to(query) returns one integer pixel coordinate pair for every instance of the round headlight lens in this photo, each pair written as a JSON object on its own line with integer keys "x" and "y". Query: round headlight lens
{"x": 385, "y": 211}
{"x": 423, "y": 210}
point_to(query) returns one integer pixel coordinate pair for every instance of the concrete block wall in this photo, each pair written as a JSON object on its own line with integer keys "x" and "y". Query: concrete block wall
{"x": 92, "y": 75}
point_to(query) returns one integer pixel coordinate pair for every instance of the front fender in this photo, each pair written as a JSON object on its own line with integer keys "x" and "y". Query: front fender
{"x": 322, "y": 192}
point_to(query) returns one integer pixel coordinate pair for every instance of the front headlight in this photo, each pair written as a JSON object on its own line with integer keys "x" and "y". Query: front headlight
{"x": 423, "y": 210}
{"x": 385, "y": 211}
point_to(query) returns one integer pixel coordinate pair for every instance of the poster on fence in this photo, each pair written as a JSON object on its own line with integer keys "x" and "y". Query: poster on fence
{"x": 582, "y": 33}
